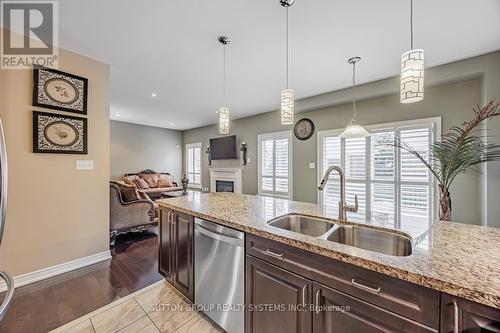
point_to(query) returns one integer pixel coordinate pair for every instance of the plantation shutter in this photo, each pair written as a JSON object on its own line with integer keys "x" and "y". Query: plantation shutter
{"x": 193, "y": 164}
{"x": 282, "y": 163}
{"x": 355, "y": 156}
{"x": 383, "y": 176}
{"x": 274, "y": 164}
{"x": 267, "y": 165}
{"x": 393, "y": 187}
{"x": 415, "y": 198}
{"x": 331, "y": 152}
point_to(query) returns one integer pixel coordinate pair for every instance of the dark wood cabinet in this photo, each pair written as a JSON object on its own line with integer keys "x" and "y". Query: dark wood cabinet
{"x": 165, "y": 244}
{"x": 462, "y": 316}
{"x": 411, "y": 301}
{"x": 337, "y": 312}
{"x": 176, "y": 250}
{"x": 293, "y": 290}
{"x": 183, "y": 262}
{"x": 277, "y": 300}
{"x": 344, "y": 298}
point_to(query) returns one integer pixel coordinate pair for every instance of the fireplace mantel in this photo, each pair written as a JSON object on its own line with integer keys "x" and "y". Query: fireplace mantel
{"x": 226, "y": 174}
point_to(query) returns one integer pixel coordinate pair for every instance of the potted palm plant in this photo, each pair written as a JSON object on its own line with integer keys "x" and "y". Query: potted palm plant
{"x": 463, "y": 148}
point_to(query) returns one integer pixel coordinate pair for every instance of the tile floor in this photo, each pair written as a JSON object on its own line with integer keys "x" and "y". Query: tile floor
{"x": 154, "y": 309}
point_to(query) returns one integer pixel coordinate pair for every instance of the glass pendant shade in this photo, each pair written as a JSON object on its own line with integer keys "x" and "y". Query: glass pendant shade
{"x": 353, "y": 130}
{"x": 287, "y": 107}
{"x": 223, "y": 121}
{"x": 412, "y": 76}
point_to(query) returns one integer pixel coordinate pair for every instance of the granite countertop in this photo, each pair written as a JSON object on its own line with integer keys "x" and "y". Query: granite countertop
{"x": 458, "y": 259}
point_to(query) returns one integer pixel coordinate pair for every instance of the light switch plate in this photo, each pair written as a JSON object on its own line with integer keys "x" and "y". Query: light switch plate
{"x": 84, "y": 165}
{"x": 312, "y": 165}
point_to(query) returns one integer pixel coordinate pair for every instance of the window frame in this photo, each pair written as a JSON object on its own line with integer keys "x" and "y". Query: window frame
{"x": 194, "y": 146}
{"x": 275, "y": 136}
{"x": 433, "y": 123}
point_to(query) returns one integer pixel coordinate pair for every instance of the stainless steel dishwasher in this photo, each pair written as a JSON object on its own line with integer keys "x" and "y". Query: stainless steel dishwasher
{"x": 219, "y": 268}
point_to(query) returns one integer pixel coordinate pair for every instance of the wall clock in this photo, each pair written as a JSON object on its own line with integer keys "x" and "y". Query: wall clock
{"x": 303, "y": 129}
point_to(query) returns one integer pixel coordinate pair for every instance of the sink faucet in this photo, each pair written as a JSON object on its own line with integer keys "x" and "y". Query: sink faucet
{"x": 343, "y": 207}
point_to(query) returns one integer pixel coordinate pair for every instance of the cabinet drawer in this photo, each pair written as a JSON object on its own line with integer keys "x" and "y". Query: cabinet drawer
{"x": 340, "y": 312}
{"x": 404, "y": 298}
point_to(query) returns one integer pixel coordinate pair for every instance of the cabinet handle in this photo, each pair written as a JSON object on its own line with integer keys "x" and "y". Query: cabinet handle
{"x": 274, "y": 254}
{"x": 173, "y": 218}
{"x": 318, "y": 301}
{"x": 361, "y": 286}
{"x": 168, "y": 216}
{"x": 455, "y": 316}
{"x": 304, "y": 289}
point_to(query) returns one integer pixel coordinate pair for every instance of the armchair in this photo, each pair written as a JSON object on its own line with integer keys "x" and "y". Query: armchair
{"x": 130, "y": 216}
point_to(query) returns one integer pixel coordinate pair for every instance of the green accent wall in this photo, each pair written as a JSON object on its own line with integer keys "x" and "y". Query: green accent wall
{"x": 451, "y": 92}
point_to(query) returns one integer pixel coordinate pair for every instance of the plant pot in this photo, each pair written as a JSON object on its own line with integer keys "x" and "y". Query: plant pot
{"x": 444, "y": 204}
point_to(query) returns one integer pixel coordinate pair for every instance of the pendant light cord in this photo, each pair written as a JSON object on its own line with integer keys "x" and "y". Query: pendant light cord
{"x": 287, "y": 48}
{"x": 411, "y": 24}
{"x": 223, "y": 75}
{"x": 354, "y": 88}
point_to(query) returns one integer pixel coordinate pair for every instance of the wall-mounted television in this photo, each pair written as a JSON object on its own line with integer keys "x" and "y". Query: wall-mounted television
{"x": 223, "y": 148}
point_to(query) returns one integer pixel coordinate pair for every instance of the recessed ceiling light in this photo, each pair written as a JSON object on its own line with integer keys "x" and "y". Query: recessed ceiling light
{"x": 171, "y": 124}
{"x": 153, "y": 94}
{"x": 118, "y": 115}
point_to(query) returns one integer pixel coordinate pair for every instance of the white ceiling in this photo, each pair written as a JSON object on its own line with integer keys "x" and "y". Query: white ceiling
{"x": 170, "y": 47}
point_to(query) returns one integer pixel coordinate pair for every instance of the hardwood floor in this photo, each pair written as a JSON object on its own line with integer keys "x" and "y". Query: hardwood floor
{"x": 45, "y": 305}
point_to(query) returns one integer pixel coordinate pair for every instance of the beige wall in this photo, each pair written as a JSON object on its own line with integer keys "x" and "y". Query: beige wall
{"x": 55, "y": 213}
{"x": 138, "y": 147}
{"x": 452, "y": 102}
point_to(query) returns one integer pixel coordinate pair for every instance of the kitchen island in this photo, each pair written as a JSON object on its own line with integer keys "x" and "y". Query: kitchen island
{"x": 448, "y": 260}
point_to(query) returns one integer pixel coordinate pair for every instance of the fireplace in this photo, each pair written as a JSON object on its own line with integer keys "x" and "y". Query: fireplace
{"x": 225, "y": 180}
{"x": 224, "y": 186}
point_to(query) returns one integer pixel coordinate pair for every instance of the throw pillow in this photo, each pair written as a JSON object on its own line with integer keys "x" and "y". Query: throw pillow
{"x": 129, "y": 193}
{"x": 165, "y": 181}
{"x": 141, "y": 183}
{"x": 129, "y": 180}
{"x": 151, "y": 180}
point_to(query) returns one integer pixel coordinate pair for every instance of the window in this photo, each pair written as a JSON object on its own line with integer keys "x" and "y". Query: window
{"x": 193, "y": 164}
{"x": 275, "y": 164}
{"x": 393, "y": 187}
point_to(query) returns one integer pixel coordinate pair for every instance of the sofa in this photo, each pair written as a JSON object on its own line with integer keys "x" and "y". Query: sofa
{"x": 152, "y": 183}
{"x": 130, "y": 211}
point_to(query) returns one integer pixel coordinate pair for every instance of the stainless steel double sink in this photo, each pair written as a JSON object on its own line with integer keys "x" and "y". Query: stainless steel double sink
{"x": 381, "y": 241}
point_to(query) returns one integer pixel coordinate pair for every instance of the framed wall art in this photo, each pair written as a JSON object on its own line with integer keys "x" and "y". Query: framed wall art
{"x": 53, "y": 133}
{"x": 58, "y": 90}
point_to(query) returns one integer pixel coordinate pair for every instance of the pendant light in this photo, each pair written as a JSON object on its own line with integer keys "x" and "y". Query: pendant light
{"x": 287, "y": 96}
{"x": 224, "y": 110}
{"x": 412, "y": 70}
{"x": 353, "y": 130}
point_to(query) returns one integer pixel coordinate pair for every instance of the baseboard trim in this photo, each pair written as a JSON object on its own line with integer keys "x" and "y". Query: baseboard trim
{"x": 45, "y": 273}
